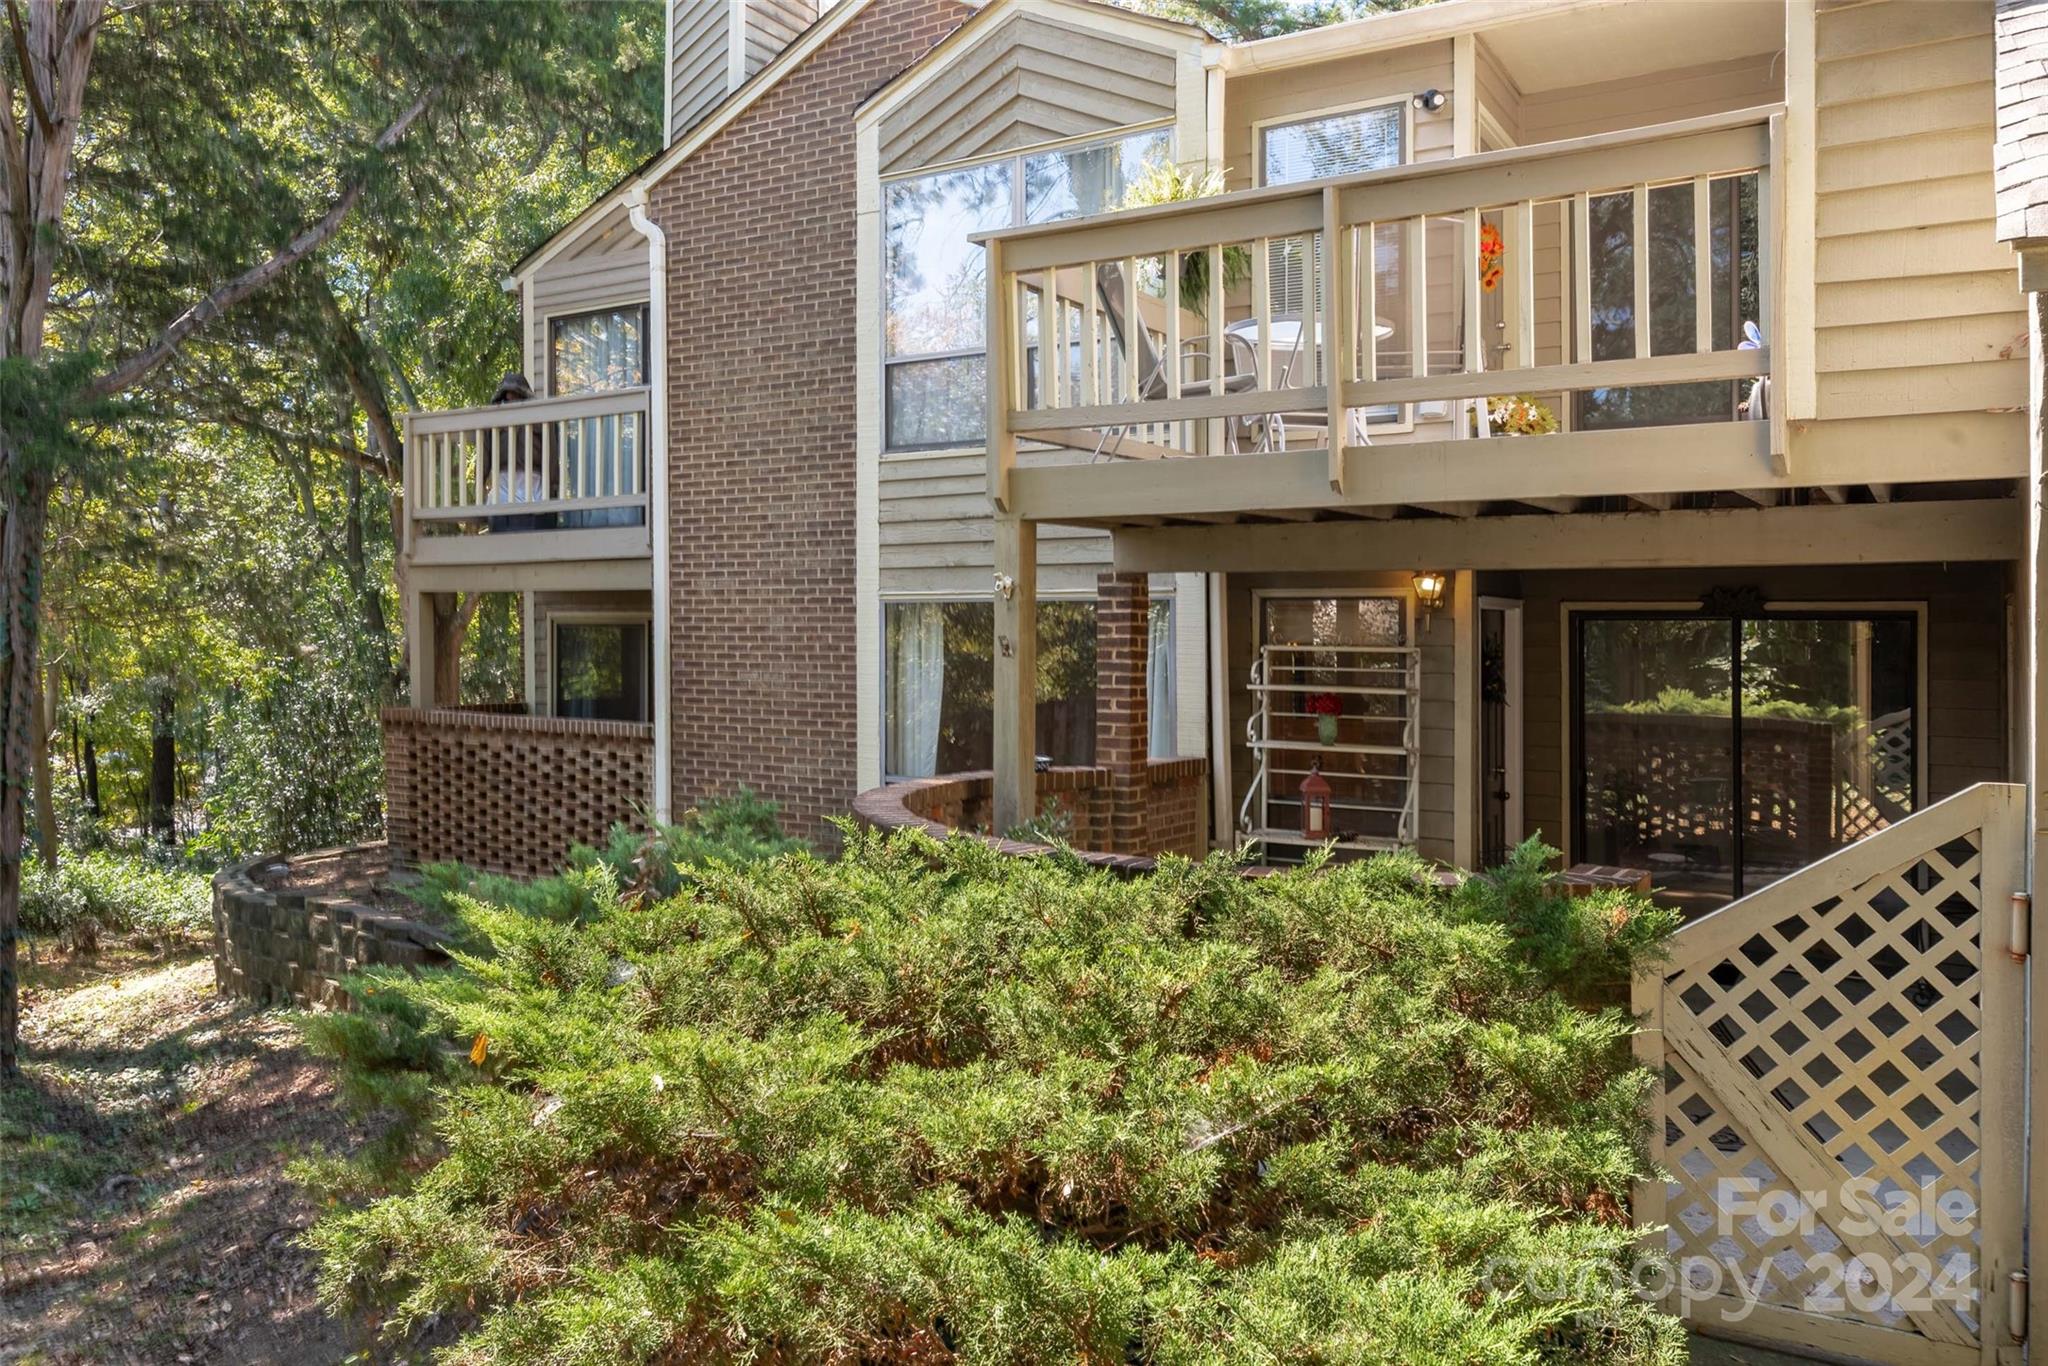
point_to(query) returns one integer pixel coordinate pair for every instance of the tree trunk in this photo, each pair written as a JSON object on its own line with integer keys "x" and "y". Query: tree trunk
{"x": 27, "y": 509}
{"x": 163, "y": 767}
{"x": 43, "y": 723}
{"x": 452, "y": 614}
{"x": 89, "y": 775}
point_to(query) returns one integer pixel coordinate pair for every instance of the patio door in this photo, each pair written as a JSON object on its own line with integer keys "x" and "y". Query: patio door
{"x": 1725, "y": 751}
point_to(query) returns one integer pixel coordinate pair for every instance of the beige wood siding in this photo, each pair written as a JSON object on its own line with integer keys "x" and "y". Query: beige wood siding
{"x": 773, "y": 25}
{"x": 698, "y": 74}
{"x": 1028, "y": 81}
{"x": 1963, "y": 711}
{"x": 937, "y": 536}
{"x": 1916, "y": 305}
{"x": 606, "y": 268}
{"x": 1369, "y": 79}
{"x": 1499, "y": 96}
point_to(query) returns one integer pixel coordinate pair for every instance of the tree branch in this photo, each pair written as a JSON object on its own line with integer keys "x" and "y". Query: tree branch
{"x": 29, "y": 82}
{"x": 226, "y": 296}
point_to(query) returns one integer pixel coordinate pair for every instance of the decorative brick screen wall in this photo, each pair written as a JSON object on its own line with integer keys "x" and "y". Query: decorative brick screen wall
{"x": 761, "y": 394}
{"x": 509, "y": 794}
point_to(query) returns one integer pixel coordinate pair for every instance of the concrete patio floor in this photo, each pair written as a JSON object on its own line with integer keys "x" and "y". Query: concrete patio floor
{"x": 1711, "y": 1352}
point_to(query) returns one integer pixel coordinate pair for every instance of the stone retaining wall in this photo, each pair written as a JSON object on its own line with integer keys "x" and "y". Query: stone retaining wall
{"x": 282, "y": 946}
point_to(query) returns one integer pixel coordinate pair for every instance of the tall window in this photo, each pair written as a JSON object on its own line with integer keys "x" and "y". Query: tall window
{"x": 602, "y": 670}
{"x": 936, "y": 287}
{"x": 592, "y": 352}
{"x": 939, "y": 696}
{"x": 1343, "y": 143}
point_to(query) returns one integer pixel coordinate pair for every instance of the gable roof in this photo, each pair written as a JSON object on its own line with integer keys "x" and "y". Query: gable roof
{"x": 989, "y": 17}
{"x": 815, "y": 36}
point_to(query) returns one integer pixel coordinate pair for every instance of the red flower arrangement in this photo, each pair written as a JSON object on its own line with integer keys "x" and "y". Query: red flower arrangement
{"x": 1492, "y": 250}
{"x": 1323, "y": 704}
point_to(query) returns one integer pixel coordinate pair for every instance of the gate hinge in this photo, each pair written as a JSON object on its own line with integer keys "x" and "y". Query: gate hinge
{"x": 2018, "y": 941}
{"x": 2016, "y": 1305}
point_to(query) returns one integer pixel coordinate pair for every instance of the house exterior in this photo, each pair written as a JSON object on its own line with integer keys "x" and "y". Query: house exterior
{"x": 1607, "y": 420}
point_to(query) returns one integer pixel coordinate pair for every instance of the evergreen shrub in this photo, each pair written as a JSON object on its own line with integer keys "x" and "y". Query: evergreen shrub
{"x": 928, "y": 1104}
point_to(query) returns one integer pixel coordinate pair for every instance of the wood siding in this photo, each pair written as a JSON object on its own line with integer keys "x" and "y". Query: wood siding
{"x": 699, "y": 62}
{"x": 1916, "y": 305}
{"x": 1963, "y": 712}
{"x": 608, "y": 267}
{"x": 1028, "y": 81}
{"x": 772, "y": 25}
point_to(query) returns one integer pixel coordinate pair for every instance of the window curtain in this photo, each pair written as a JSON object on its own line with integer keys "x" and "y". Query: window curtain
{"x": 1163, "y": 741}
{"x": 917, "y": 685}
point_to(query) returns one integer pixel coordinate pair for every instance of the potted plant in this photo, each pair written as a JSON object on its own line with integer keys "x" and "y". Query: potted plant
{"x": 1326, "y": 707}
{"x": 1167, "y": 182}
{"x": 1516, "y": 415}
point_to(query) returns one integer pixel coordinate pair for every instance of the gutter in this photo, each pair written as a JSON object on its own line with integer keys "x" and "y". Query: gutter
{"x": 657, "y": 481}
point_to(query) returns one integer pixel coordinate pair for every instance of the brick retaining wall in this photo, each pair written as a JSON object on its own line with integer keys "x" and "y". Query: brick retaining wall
{"x": 284, "y": 947}
{"x": 964, "y": 803}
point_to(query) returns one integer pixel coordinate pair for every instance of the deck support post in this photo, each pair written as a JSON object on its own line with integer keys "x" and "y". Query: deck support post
{"x": 420, "y": 645}
{"x": 2034, "y": 730}
{"x": 1016, "y": 670}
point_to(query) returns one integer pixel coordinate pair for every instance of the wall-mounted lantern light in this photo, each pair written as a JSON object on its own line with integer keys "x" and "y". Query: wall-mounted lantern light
{"x": 1430, "y": 587}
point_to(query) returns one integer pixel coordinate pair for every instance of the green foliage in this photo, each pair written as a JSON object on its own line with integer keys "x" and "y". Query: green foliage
{"x": 1684, "y": 702}
{"x": 298, "y": 764}
{"x": 101, "y": 894}
{"x": 1586, "y": 946}
{"x": 730, "y": 831}
{"x": 931, "y": 1104}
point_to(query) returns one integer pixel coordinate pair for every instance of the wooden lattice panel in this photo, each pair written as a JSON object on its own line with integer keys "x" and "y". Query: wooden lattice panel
{"x": 1859, "y": 1019}
{"x": 1839, "y": 1118}
{"x": 510, "y": 793}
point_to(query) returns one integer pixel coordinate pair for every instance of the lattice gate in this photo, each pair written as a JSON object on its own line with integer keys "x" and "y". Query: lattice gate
{"x": 1840, "y": 1118}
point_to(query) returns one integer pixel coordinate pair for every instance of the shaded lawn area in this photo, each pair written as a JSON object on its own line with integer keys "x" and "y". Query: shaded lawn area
{"x": 145, "y": 1210}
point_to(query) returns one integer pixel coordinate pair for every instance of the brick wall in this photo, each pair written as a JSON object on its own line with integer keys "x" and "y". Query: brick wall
{"x": 761, "y": 376}
{"x": 509, "y": 793}
{"x": 964, "y": 803}
{"x": 1123, "y": 734}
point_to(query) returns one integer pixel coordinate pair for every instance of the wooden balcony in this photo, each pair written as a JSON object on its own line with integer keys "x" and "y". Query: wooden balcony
{"x": 1400, "y": 310}
{"x": 545, "y": 481}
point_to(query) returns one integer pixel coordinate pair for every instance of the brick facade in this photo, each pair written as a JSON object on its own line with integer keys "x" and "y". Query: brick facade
{"x": 509, "y": 793}
{"x": 761, "y": 402}
{"x": 1123, "y": 732}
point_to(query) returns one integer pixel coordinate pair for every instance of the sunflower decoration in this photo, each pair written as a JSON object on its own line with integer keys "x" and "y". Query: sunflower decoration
{"x": 1492, "y": 250}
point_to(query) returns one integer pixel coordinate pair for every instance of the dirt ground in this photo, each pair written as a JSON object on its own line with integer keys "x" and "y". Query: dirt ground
{"x": 145, "y": 1210}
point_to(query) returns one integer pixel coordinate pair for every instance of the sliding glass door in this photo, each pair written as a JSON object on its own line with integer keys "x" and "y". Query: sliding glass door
{"x": 1722, "y": 752}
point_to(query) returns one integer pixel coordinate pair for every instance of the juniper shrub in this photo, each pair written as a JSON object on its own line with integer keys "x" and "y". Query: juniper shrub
{"x": 927, "y": 1104}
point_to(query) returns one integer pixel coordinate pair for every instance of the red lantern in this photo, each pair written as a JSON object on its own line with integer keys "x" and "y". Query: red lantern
{"x": 1315, "y": 806}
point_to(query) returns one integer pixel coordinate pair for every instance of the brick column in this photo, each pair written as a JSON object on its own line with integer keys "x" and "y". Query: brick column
{"x": 1123, "y": 731}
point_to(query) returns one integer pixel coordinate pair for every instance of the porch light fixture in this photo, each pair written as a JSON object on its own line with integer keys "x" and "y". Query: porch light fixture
{"x": 1431, "y": 100}
{"x": 1315, "y": 805}
{"x": 1430, "y": 586}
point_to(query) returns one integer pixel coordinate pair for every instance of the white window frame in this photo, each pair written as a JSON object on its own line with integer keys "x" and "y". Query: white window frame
{"x": 552, "y": 316}
{"x": 1016, "y": 158}
{"x": 1404, "y": 423}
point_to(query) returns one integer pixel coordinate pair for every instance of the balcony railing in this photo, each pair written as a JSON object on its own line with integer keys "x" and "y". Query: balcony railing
{"x": 577, "y": 464}
{"x": 1623, "y": 280}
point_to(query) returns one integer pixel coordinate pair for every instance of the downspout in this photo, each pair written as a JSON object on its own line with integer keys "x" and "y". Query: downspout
{"x": 657, "y": 481}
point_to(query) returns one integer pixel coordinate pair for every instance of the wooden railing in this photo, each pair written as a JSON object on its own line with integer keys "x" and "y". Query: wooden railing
{"x": 1301, "y": 311}
{"x": 538, "y": 460}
